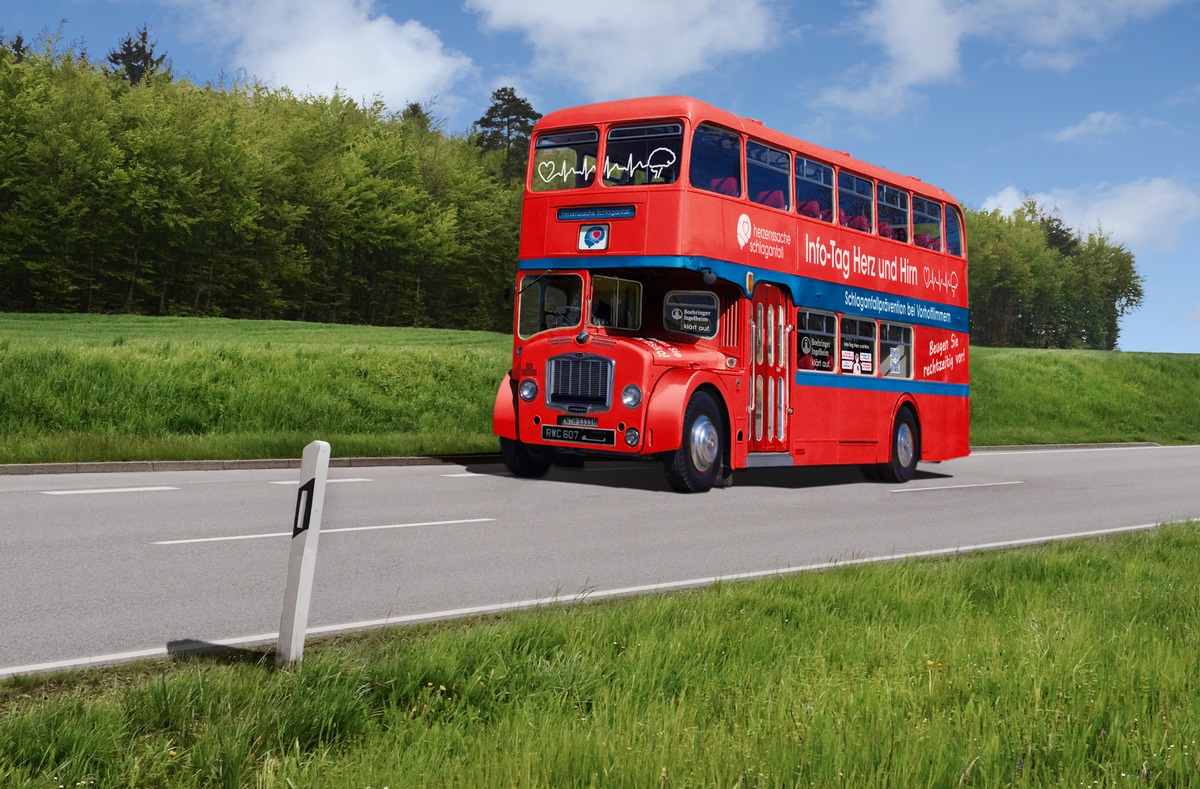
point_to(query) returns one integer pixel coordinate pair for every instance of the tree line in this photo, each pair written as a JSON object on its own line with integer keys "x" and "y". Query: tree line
{"x": 130, "y": 191}
{"x": 123, "y": 189}
{"x": 1036, "y": 283}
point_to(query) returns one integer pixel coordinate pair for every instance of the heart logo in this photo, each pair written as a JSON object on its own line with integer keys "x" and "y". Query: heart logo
{"x": 548, "y": 171}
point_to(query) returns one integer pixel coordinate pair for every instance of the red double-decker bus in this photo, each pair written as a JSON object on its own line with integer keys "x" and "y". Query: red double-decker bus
{"x": 697, "y": 288}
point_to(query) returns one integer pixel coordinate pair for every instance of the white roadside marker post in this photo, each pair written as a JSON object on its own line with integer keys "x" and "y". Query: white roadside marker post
{"x": 306, "y": 529}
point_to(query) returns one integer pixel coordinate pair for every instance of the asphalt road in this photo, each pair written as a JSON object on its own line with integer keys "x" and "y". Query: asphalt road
{"x": 104, "y": 567}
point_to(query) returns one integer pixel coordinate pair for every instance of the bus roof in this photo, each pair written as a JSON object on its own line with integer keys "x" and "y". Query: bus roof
{"x": 696, "y": 112}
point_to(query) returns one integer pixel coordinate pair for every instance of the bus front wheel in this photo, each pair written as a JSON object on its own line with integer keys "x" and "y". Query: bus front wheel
{"x": 696, "y": 465}
{"x": 905, "y": 449}
{"x": 524, "y": 460}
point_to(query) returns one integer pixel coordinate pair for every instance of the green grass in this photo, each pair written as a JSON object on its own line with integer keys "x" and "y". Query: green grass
{"x": 1067, "y": 665}
{"x": 77, "y": 388}
{"x": 1023, "y": 396}
{"x": 90, "y": 388}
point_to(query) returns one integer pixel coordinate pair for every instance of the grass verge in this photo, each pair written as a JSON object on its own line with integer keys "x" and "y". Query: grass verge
{"x": 78, "y": 388}
{"x": 1023, "y": 396}
{"x": 1069, "y": 664}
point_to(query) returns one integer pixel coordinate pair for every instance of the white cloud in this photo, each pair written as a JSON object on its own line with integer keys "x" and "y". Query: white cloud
{"x": 623, "y": 48}
{"x": 1007, "y": 200}
{"x": 1188, "y": 96}
{"x": 1097, "y": 124}
{"x": 1143, "y": 213}
{"x": 313, "y": 46}
{"x": 1051, "y": 32}
{"x": 922, "y": 40}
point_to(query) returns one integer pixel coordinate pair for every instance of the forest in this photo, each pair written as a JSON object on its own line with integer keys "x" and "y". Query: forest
{"x": 126, "y": 190}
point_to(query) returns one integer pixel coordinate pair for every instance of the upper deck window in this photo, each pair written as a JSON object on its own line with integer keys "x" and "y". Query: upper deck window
{"x": 954, "y": 244}
{"x": 767, "y": 174}
{"x": 638, "y": 155}
{"x": 716, "y": 160}
{"x": 927, "y": 223}
{"x": 814, "y": 189}
{"x": 892, "y": 210}
{"x": 564, "y": 160}
{"x": 854, "y": 202}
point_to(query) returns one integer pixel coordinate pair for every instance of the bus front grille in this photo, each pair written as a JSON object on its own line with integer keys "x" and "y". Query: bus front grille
{"x": 579, "y": 383}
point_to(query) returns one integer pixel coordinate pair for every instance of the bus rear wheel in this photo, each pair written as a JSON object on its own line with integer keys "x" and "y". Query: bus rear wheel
{"x": 524, "y": 460}
{"x": 696, "y": 465}
{"x": 905, "y": 449}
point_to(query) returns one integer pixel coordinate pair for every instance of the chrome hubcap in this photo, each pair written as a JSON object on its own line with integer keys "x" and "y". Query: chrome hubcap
{"x": 905, "y": 445}
{"x": 705, "y": 444}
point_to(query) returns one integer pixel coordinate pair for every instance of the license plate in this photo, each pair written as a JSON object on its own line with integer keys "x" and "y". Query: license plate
{"x": 578, "y": 435}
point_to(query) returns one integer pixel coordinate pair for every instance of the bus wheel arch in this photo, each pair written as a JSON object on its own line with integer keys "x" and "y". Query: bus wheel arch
{"x": 703, "y": 455}
{"x": 904, "y": 446}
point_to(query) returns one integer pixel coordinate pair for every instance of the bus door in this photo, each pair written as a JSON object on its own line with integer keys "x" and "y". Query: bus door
{"x": 769, "y": 404}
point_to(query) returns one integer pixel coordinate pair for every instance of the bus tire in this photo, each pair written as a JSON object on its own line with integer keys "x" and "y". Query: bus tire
{"x": 524, "y": 460}
{"x": 696, "y": 465}
{"x": 905, "y": 449}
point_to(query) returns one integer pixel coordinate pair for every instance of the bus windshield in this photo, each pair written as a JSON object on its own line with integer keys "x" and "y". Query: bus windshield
{"x": 554, "y": 301}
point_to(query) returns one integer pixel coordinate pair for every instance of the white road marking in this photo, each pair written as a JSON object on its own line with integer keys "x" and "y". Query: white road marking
{"x": 328, "y": 481}
{"x": 105, "y": 490}
{"x": 323, "y": 531}
{"x": 263, "y": 638}
{"x": 467, "y": 474}
{"x": 955, "y": 487}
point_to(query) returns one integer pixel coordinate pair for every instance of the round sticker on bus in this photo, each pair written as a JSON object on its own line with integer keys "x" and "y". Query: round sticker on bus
{"x": 593, "y": 238}
{"x": 744, "y": 230}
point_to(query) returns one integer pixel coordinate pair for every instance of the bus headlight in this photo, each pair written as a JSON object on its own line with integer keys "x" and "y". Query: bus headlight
{"x": 632, "y": 436}
{"x": 528, "y": 390}
{"x": 631, "y": 396}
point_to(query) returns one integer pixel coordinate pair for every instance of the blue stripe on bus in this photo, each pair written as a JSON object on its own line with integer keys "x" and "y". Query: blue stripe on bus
{"x": 896, "y": 385}
{"x": 806, "y": 292}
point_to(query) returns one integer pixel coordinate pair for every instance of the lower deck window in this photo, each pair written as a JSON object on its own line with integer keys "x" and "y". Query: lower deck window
{"x": 858, "y": 346}
{"x": 815, "y": 340}
{"x": 694, "y": 312}
{"x": 549, "y": 301}
{"x": 616, "y": 303}
{"x": 895, "y": 349}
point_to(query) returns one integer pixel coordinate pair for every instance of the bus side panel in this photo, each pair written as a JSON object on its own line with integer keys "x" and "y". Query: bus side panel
{"x": 945, "y": 427}
{"x": 504, "y": 412}
{"x": 814, "y": 424}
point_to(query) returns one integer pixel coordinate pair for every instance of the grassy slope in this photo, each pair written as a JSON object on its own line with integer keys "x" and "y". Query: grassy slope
{"x": 84, "y": 388}
{"x": 1038, "y": 397}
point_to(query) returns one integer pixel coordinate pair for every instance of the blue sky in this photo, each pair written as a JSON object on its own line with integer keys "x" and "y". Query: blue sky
{"x": 1092, "y": 106}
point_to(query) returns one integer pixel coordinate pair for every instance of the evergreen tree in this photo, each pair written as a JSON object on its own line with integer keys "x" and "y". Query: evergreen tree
{"x": 417, "y": 115}
{"x": 15, "y": 45}
{"x": 135, "y": 59}
{"x": 506, "y": 127}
